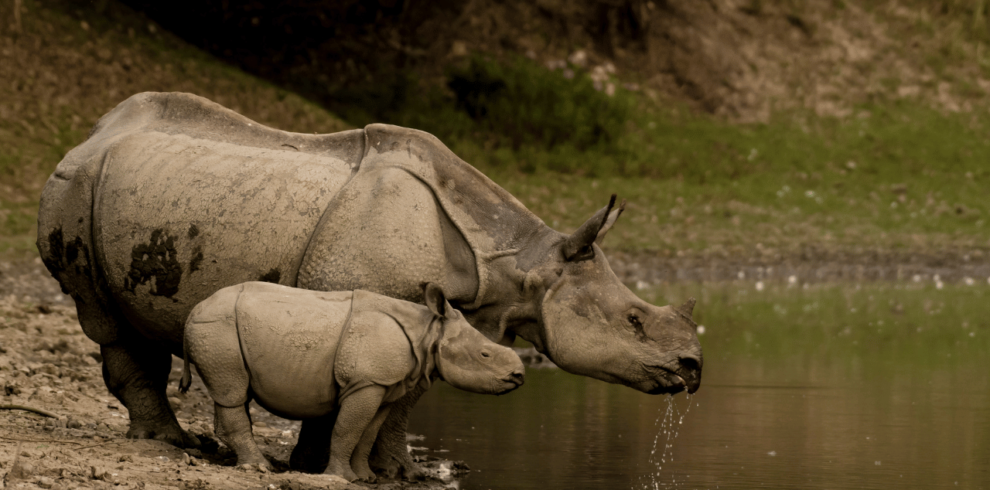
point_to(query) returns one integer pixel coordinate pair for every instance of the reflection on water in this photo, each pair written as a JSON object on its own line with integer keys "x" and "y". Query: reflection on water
{"x": 830, "y": 387}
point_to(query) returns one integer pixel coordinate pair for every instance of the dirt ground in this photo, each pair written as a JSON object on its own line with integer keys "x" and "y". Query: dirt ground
{"x": 46, "y": 362}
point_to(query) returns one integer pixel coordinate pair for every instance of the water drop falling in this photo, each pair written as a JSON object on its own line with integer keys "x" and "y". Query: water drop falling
{"x": 667, "y": 422}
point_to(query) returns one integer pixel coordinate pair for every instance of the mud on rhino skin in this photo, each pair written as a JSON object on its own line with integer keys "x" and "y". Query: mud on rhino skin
{"x": 383, "y": 208}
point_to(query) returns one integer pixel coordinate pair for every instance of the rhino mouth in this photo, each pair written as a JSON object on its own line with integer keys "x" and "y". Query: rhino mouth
{"x": 669, "y": 381}
{"x": 672, "y": 384}
{"x": 507, "y": 384}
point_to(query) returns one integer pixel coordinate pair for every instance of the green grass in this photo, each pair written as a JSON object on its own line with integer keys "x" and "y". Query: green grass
{"x": 905, "y": 177}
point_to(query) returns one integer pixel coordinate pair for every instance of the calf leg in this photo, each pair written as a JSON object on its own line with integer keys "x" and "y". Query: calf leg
{"x": 136, "y": 372}
{"x": 359, "y": 460}
{"x": 356, "y": 413}
{"x": 233, "y": 427}
{"x": 390, "y": 454}
{"x": 312, "y": 451}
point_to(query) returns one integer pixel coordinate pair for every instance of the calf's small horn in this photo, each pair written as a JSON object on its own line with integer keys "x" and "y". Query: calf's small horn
{"x": 687, "y": 308}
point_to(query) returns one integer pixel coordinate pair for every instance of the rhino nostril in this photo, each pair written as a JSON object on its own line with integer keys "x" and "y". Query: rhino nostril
{"x": 517, "y": 376}
{"x": 690, "y": 362}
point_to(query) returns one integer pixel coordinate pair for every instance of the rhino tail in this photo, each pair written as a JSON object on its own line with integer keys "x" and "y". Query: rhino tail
{"x": 186, "y": 381}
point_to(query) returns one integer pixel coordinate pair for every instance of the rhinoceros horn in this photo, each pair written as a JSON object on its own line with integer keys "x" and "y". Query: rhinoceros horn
{"x": 578, "y": 245}
{"x": 687, "y": 308}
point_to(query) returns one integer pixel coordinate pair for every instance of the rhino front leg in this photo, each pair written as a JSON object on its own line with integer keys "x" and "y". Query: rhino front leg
{"x": 356, "y": 413}
{"x": 136, "y": 372}
{"x": 359, "y": 460}
{"x": 390, "y": 454}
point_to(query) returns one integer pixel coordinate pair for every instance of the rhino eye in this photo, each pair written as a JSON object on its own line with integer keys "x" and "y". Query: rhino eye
{"x": 637, "y": 325}
{"x": 485, "y": 354}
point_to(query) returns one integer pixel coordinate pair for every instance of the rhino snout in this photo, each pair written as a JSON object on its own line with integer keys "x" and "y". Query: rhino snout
{"x": 682, "y": 374}
{"x": 516, "y": 377}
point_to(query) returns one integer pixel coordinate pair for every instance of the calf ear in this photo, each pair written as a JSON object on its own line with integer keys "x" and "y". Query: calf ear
{"x": 435, "y": 300}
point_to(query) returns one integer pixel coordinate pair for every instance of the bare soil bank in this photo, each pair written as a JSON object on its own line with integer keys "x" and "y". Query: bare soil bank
{"x": 46, "y": 362}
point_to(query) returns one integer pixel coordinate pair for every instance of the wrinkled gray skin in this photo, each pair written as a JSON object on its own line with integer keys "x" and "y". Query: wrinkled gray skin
{"x": 335, "y": 355}
{"x": 174, "y": 197}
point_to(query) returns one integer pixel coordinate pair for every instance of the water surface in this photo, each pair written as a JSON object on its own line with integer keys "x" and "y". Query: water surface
{"x": 831, "y": 387}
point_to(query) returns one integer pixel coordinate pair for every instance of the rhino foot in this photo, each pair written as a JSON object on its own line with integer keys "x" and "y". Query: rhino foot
{"x": 342, "y": 470}
{"x": 262, "y": 467}
{"x": 363, "y": 472}
{"x": 174, "y": 436}
{"x": 397, "y": 466}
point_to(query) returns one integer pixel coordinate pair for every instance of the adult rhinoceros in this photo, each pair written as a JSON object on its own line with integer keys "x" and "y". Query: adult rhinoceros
{"x": 173, "y": 197}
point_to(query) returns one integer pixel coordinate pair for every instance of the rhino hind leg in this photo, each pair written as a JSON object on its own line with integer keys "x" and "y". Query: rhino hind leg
{"x": 312, "y": 451}
{"x": 136, "y": 372}
{"x": 233, "y": 427}
{"x": 390, "y": 455}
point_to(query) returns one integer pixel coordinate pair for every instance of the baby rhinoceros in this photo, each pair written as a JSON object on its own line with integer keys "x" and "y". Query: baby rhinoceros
{"x": 304, "y": 354}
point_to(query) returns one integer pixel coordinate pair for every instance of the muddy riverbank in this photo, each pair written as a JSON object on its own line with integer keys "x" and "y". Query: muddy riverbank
{"x": 47, "y": 362}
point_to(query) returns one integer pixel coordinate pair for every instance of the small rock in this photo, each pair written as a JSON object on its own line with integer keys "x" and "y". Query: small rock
{"x": 22, "y": 470}
{"x": 97, "y": 473}
{"x": 127, "y": 458}
{"x": 45, "y": 482}
{"x": 186, "y": 460}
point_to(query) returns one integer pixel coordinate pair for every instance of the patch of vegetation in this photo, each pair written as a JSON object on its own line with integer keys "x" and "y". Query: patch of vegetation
{"x": 525, "y": 104}
{"x": 516, "y": 110}
{"x": 65, "y": 66}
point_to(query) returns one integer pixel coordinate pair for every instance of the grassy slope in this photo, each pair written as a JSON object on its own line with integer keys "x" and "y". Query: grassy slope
{"x": 68, "y": 67}
{"x": 901, "y": 177}
{"x": 897, "y": 175}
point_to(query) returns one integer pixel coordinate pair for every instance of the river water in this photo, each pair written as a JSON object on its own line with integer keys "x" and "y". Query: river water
{"x": 830, "y": 387}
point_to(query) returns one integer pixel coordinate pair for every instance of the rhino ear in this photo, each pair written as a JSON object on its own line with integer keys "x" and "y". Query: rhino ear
{"x": 578, "y": 245}
{"x": 687, "y": 309}
{"x": 435, "y": 300}
{"x": 610, "y": 221}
